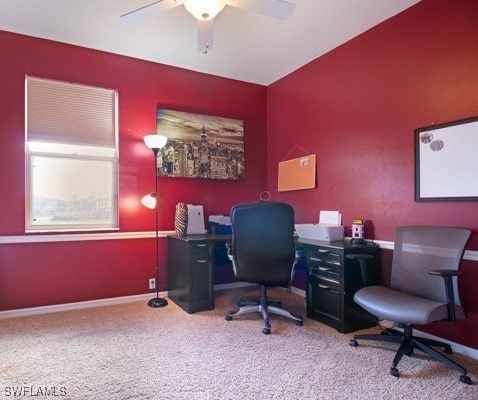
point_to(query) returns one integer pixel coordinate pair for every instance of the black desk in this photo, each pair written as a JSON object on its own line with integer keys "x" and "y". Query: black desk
{"x": 333, "y": 278}
{"x": 190, "y": 270}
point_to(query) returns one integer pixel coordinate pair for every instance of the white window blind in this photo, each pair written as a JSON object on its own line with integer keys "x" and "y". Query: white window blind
{"x": 71, "y": 156}
{"x": 62, "y": 112}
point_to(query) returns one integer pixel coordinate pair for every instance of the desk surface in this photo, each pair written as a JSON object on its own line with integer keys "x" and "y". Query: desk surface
{"x": 201, "y": 237}
{"x": 338, "y": 244}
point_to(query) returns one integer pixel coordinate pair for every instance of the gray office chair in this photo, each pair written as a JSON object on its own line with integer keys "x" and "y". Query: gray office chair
{"x": 425, "y": 260}
{"x": 263, "y": 252}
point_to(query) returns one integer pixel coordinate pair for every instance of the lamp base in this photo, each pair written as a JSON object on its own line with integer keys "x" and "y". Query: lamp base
{"x": 157, "y": 302}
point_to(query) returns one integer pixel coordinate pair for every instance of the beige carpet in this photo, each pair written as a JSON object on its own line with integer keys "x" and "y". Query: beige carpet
{"x": 133, "y": 352}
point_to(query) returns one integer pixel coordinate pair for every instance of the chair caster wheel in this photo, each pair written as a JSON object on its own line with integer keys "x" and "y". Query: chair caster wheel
{"x": 228, "y": 317}
{"x": 353, "y": 342}
{"x": 299, "y": 322}
{"x": 266, "y": 331}
{"x": 394, "y": 372}
{"x": 465, "y": 379}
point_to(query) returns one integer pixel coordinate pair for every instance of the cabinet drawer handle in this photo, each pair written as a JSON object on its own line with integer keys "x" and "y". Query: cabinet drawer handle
{"x": 202, "y": 261}
{"x": 201, "y": 244}
{"x": 315, "y": 259}
{"x": 323, "y": 251}
{"x": 325, "y": 261}
{"x": 324, "y": 269}
{"x": 324, "y": 286}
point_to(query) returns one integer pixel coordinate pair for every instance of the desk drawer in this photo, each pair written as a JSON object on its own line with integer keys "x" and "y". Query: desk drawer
{"x": 324, "y": 257}
{"x": 201, "y": 251}
{"x": 324, "y": 300}
{"x": 325, "y": 272}
{"x": 326, "y": 282}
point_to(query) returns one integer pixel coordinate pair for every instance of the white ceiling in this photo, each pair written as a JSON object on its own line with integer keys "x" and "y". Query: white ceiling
{"x": 248, "y": 47}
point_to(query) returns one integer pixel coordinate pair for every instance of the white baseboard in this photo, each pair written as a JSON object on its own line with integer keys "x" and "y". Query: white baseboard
{"x": 25, "y": 312}
{"x": 225, "y": 286}
{"x": 297, "y": 291}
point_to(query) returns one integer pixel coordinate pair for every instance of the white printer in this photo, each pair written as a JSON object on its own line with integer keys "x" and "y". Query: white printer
{"x": 329, "y": 227}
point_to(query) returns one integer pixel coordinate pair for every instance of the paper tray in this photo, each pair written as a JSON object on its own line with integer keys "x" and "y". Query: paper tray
{"x": 320, "y": 231}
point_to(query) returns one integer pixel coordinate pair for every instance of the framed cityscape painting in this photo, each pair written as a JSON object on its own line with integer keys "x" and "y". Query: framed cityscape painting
{"x": 200, "y": 146}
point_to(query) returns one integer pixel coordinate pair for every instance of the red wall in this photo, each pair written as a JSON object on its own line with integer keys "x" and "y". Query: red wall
{"x": 53, "y": 273}
{"x": 356, "y": 108}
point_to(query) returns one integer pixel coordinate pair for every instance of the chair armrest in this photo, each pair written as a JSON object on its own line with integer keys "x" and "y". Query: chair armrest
{"x": 299, "y": 253}
{"x": 444, "y": 272}
{"x": 363, "y": 260}
{"x": 447, "y": 275}
{"x": 231, "y": 257}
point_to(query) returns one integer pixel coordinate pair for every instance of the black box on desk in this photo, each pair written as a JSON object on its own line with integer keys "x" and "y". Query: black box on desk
{"x": 219, "y": 229}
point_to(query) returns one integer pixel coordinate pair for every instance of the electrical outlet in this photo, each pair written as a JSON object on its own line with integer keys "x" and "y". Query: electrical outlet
{"x": 152, "y": 283}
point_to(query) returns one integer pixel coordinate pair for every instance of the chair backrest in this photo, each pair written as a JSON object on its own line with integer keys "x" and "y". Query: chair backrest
{"x": 419, "y": 249}
{"x": 262, "y": 247}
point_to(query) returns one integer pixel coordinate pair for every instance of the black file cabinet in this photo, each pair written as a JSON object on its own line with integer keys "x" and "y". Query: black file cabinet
{"x": 190, "y": 271}
{"x": 333, "y": 276}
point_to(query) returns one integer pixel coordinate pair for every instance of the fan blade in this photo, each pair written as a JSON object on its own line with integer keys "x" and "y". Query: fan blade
{"x": 150, "y": 9}
{"x": 279, "y": 9}
{"x": 205, "y": 36}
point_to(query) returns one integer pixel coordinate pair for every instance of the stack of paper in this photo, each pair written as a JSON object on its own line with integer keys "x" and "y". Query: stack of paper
{"x": 330, "y": 218}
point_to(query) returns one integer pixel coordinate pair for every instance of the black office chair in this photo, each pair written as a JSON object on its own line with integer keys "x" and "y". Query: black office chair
{"x": 425, "y": 260}
{"x": 263, "y": 252}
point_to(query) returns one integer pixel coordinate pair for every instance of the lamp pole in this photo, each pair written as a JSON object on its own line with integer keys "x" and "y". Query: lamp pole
{"x": 155, "y": 142}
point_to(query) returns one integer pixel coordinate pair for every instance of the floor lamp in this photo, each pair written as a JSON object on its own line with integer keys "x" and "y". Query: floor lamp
{"x": 155, "y": 142}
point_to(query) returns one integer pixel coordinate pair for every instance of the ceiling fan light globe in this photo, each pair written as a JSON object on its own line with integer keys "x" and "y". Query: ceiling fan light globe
{"x": 204, "y": 10}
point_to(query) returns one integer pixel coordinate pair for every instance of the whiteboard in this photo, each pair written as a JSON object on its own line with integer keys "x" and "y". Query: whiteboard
{"x": 446, "y": 161}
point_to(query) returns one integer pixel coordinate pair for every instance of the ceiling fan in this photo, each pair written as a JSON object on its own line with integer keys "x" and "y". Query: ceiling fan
{"x": 206, "y": 10}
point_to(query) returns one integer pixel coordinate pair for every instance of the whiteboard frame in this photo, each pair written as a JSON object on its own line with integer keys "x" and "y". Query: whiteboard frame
{"x": 446, "y": 161}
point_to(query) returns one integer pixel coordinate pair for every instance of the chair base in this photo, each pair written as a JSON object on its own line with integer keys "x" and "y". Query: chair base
{"x": 264, "y": 307}
{"x": 408, "y": 343}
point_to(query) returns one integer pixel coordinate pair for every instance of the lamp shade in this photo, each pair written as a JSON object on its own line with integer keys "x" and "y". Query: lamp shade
{"x": 204, "y": 10}
{"x": 155, "y": 141}
{"x": 149, "y": 200}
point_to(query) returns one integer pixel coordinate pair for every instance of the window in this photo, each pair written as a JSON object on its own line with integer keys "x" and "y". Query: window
{"x": 71, "y": 156}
